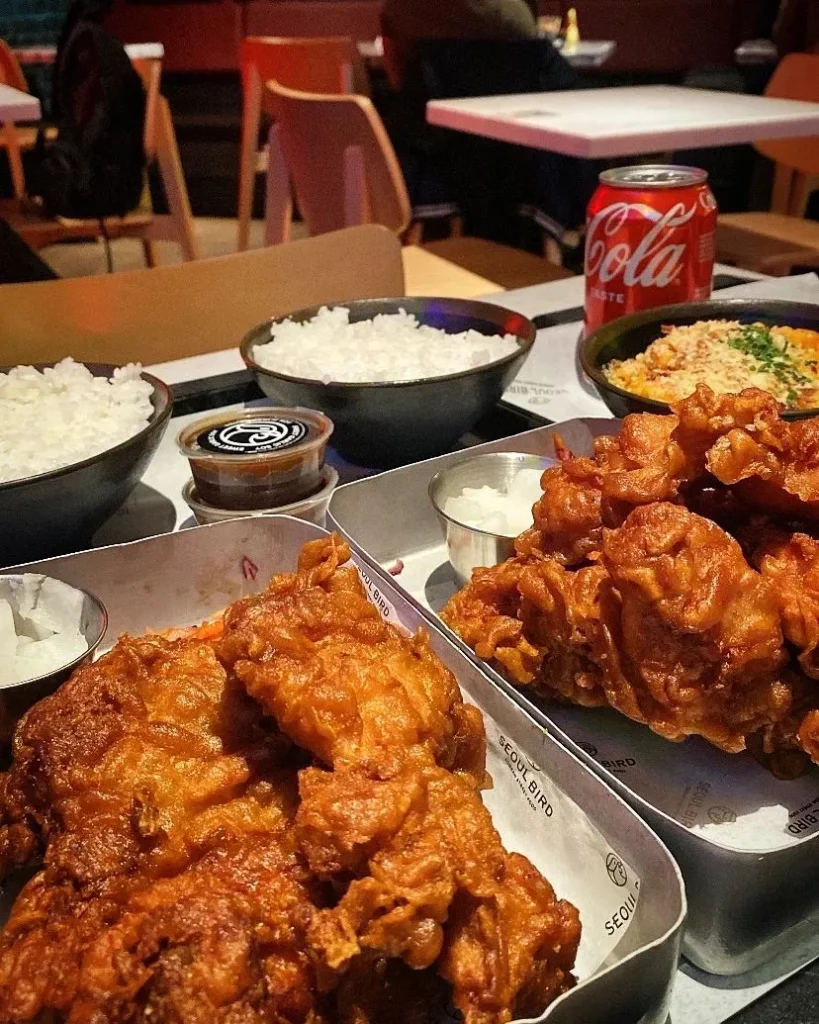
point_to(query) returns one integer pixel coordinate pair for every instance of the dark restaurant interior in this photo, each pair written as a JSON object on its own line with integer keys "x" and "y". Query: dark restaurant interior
{"x": 409, "y": 505}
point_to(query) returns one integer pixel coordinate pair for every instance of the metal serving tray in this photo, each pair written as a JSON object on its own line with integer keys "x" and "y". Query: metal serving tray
{"x": 746, "y": 906}
{"x": 181, "y": 578}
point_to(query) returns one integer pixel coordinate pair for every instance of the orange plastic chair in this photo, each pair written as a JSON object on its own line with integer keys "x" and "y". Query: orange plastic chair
{"x": 316, "y": 65}
{"x": 776, "y": 241}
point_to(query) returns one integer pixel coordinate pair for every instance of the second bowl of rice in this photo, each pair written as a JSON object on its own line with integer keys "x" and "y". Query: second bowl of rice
{"x": 402, "y": 379}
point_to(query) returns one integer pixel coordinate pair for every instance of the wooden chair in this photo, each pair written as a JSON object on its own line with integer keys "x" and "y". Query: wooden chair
{"x": 776, "y": 241}
{"x": 320, "y": 65}
{"x": 160, "y": 146}
{"x": 343, "y": 168}
{"x": 13, "y": 139}
{"x": 171, "y": 312}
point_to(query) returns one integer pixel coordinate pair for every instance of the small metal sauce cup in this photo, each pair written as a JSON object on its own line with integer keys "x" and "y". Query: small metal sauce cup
{"x": 17, "y": 698}
{"x": 468, "y": 546}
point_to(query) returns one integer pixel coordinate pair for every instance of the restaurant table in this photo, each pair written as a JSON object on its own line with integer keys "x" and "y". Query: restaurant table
{"x": 219, "y": 380}
{"x": 32, "y": 55}
{"x": 16, "y": 105}
{"x": 627, "y": 121}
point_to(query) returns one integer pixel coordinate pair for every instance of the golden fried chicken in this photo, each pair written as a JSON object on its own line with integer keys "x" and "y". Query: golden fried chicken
{"x": 771, "y": 464}
{"x": 397, "y": 824}
{"x": 434, "y": 883}
{"x": 222, "y": 942}
{"x": 141, "y": 761}
{"x": 691, "y": 638}
{"x": 486, "y": 615}
{"x": 340, "y": 681}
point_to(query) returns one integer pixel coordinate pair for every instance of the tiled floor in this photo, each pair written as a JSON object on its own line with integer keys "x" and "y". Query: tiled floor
{"x": 217, "y": 237}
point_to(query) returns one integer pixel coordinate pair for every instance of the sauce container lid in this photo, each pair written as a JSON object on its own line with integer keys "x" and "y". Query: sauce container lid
{"x": 255, "y": 435}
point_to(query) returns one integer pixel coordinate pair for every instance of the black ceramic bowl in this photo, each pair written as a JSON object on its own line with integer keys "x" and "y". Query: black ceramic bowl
{"x": 630, "y": 335}
{"x": 387, "y": 424}
{"x": 58, "y": 511}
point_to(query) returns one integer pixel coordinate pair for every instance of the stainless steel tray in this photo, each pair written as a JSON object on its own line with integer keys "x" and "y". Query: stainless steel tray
{"x": 181, "y": 578}
{"x": 745, "y": 906}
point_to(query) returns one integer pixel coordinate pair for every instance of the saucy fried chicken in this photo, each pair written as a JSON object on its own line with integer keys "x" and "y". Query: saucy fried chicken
{"x": 434, "y": 883}
{"x": 138, "y": 762}
{"x": 396, "y": 824}
{"x": 663, "y": 576}
{"x": 339, "y": 680}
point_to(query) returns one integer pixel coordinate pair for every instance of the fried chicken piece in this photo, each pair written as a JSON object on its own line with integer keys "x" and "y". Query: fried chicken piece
{"x": 690, "y": 641}
{"x": 704, "y": 417}
{"x": 372, "y": 991}
{"x": 138, "y": 762}
{"x": 770, "y": 463}
{"x": 568, "y": 517}
{"x": 339, "y": 680}
{"x": 560, "y": 613}
{"x": 432, "y": 880}
{"x": 221, "y": 943}
{"x": 791, "y": 563}
{"x": 581, "y": 496}
{"x": 485, "y": 614}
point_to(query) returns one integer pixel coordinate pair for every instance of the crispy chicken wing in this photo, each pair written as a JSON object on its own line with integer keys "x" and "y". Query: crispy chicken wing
{"x": 397, "y": 824}
{"x": 340, "y": 681}
{"x": 433, "y": 882}
{"x": 220, "y": 943}
{"x": 142, "y": 759}
{"x": 692, "y": 643}
{"x": 486, "y": 615}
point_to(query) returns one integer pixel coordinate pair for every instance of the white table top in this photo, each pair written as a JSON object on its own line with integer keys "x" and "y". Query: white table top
{"x": 18, "y": 106}
{"x": 627, "y": 121}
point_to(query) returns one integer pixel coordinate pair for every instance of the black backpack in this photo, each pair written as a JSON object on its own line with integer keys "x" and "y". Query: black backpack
{"x": 95, "y": 167}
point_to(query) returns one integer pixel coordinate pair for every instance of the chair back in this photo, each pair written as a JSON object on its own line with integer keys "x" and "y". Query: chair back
{"x": 796, "y": 78}
{"x": 323, "y": 65}
{"x": 10, "y": 71}
{"x": 340, "y": 160}
{"x": 171, "y": 312}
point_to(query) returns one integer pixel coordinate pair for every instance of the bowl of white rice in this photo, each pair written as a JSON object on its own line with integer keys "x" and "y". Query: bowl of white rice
{"x": 75, "y": 440}
{"x": 402, "y": 379}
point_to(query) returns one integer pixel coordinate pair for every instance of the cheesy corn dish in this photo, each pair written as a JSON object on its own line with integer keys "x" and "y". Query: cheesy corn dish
{"x": 727, "y": 356}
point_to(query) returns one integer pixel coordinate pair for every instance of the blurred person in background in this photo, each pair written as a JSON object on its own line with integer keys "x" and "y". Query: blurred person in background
{"x": 405, "y": 22}
{"x": 797, "y": 27}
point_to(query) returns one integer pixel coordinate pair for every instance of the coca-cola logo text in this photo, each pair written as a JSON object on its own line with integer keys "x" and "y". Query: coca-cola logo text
{"x": 654, "y": 263}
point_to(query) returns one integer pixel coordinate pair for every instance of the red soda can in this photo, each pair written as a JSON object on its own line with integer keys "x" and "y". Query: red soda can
{"x": 650, "y": 240}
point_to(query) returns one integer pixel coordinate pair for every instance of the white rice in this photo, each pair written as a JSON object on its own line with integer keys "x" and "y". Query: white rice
{"x": 63, "y": 415}
{"x": 390, "y": 347}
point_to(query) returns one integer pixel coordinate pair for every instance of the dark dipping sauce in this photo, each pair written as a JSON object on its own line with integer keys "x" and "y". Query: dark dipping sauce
{"x": 257, "y": 459}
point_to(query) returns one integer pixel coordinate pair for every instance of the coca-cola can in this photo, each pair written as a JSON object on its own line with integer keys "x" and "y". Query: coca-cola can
{"x": 650, "y": 240}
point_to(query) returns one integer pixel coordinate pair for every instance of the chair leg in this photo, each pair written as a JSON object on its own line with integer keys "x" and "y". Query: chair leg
{"x": 251, "y": 116}
{"x": 552, "y": 250}
{"x": 173, "y": 179}
{"x": 456, "y": 226}
{"x": 18, "y": 180}
{"x": 414, "y": 235}
{"x": 149, "y": 249}
{"x": 278, "y": 212}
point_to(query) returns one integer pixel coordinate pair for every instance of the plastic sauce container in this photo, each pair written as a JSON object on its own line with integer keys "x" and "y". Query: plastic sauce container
{"x": 256, "y": 459}
{"x": 313, "y": 509}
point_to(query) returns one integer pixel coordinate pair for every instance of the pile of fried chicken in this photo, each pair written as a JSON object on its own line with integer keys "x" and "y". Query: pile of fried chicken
{"x": 275, "y": 822}
{"x": 674, "y": 576}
